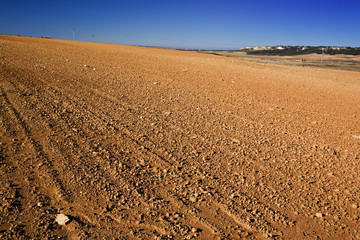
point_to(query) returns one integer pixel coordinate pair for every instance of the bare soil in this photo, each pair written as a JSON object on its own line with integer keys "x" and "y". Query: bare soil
{"x": 323, "y": 61}
{"x": 145, "y": 143}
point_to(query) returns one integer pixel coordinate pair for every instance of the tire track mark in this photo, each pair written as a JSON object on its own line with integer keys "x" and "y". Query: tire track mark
{"x": 41, "y": 155}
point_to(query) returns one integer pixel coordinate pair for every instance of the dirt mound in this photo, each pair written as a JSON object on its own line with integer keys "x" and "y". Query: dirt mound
{"x": 110, "y": 141}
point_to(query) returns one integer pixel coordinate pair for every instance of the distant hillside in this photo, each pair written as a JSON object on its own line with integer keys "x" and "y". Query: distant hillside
{"x": 299, "y": 50}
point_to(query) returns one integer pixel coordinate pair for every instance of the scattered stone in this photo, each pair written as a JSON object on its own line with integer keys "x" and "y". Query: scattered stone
{"x": 194, "y": 230}
{"x": 192, "y": 199}
{"x": 234, "y": 196}
{"x": 62, "y": 219}
{"x": 206, "y": 158}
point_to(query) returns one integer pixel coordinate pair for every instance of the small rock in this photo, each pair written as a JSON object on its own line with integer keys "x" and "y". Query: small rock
{"x": 234, "y": 196}
{"x": 192, "y": 199}
{"x": 354, "y": 206}
{"x": 62, "y": 219}
{"x": 319, "y": 215}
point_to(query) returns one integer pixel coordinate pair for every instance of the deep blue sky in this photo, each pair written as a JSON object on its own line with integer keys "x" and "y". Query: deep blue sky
{"x": 206, "y": 24}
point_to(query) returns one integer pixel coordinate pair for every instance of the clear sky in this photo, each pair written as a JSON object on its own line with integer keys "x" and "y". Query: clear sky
{"x": 198, "y": 24}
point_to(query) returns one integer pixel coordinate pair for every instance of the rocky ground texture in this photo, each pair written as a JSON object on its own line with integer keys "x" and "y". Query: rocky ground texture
{"x": 110, "y": 141}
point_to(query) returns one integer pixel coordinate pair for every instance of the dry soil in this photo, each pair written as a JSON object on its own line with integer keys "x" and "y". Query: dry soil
{"x": 144, "y": 143}
{"x": 323, "y": 61}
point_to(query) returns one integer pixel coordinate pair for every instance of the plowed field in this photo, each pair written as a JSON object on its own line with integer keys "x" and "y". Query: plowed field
{"x": 144, "y": 143}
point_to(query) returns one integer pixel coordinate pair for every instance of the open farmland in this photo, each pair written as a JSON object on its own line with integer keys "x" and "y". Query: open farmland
{"x": 145, "y": 143}
{"x": 324, "y": 61}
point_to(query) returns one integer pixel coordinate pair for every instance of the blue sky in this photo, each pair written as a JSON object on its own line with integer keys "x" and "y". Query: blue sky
{"x": 199, "y": 24}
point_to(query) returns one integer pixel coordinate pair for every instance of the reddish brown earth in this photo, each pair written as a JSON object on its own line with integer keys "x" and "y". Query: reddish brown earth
{"x": 143, "y": 143}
